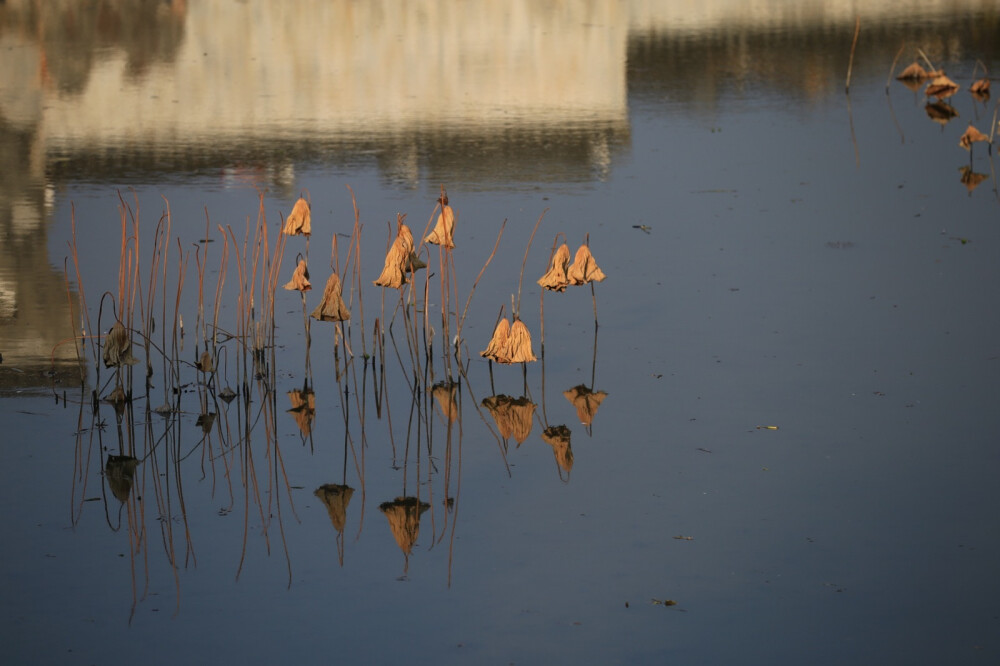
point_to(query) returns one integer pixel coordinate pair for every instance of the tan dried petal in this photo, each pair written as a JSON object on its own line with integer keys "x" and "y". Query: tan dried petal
{"x": 495, "y": 350}
{"x": 118, "y": 347}
{"x": 586, "y": 402}
{"x": 555, "y": 279}
{"x": 584, "y": 268}
{"x": 300, "y": 278}
{"x": 444, "y": 230}
{"x": 941, "y": 87}
{"x": 971, "y": 136}
{"x": 299, "y": 221}
{"x": 517, "y": 349}
{"x": 332, "y": 307}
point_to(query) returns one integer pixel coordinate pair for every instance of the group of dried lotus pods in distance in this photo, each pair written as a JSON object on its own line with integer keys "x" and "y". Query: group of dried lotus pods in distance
{"x": 941, "y": 87}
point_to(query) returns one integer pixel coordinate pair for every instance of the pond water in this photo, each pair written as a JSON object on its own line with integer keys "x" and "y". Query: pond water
{"x": 769, "y": 436}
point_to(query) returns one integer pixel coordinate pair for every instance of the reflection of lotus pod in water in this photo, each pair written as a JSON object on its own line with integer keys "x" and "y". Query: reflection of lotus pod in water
{"x": 300, "y": 278}
{"x": 444, "y": 230}
{"x": 299, "y": 221}
{"x": 205, "y": 422}
{"x": 404, "y": 520}
{"x": 336, "y": 498}
{"x": 495, "y": 350}
{"x": 513, "y": 416}
{"x": 118, "y": 347}
{"x": 332, "y": 307}
{"x": 980, "y": 88}
{"x": 556, "y": 278}
{"x": 584, "y": 268}
{"x": 586, "y": 402}
{"x": 205, "y": 362}
{"x": 940, "y": 112}
{"x": 558, "y": 438}
{"x": 303, "y": 408}
{"x": 940, "y": 87}
{"x": 518, "y": 346}
{"x": 444, "y": 393}
{"x": 971, "y": 179}
{"x": 119, "y": 471}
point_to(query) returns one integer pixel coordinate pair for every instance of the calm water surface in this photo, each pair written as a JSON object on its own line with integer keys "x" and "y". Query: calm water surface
{"x": 790, "y": 451}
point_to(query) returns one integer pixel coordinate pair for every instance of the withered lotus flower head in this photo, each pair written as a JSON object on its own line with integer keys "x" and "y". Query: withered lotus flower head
{"x": 586, "y": 402}
{"x": 444, "y": 394}
{"x": 558, "y": 438}
{"x": 303, "y": 408}
{"x": 300, "y": 278}
{"x": 913, "y": 72}
{"x": 336, "y": 498}
{"x": 332, "y": 307}
{"x": 400, "y": 260}
{"x": 444, "y": 230}
{"x": 971, "y": 179}
{"x": 495, "y": 350}
{"x": 980, "y": 87}
{"x": 518, "y": 346}
{"x": 118, "y": 347}
{"x": 556, "y": 279}
{"x": 299, "y": 221}
{"x": 971, "y": 136}
{"x": 941, "y": 87}
{"x": 584, "y": 268}
{"x": 403, "y": 515}
{"x": 513, "y": 416}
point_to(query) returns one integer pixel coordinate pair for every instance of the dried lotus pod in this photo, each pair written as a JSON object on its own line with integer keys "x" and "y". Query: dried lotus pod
{"x": 941, "y": 87}
{"x": 400, "y": 259}
{"x": 495, "y": 350}
{"x": 971, "y": 136}
{"x": 584, "y": 268}
{"x": 555, "y": 279}
{"x": 300, "y": 278}
{"x": 517, "y": 348}
{"x": 118, "y": 347}
{"x": 913, "y": 72}
{"x": 444, "y": 230}
{"x": 980, "y": 87}
{"x": 299, "y": 221}
{"x": 332, "y": 307}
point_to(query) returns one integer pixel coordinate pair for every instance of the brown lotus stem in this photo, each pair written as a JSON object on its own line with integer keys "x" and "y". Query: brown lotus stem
{"x": 854, "y": 44}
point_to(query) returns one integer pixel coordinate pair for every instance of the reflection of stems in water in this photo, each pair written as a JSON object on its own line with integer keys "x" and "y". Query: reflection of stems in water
{"x": 892, "y": 69}
{"x": 854, "y": 139}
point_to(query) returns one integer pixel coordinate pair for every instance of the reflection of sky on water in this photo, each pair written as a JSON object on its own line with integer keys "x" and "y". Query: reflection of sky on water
{"x": 789, "y": 277}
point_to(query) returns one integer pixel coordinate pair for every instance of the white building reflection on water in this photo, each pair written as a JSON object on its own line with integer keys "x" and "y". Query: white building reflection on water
{"x": 537, "y": 91}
